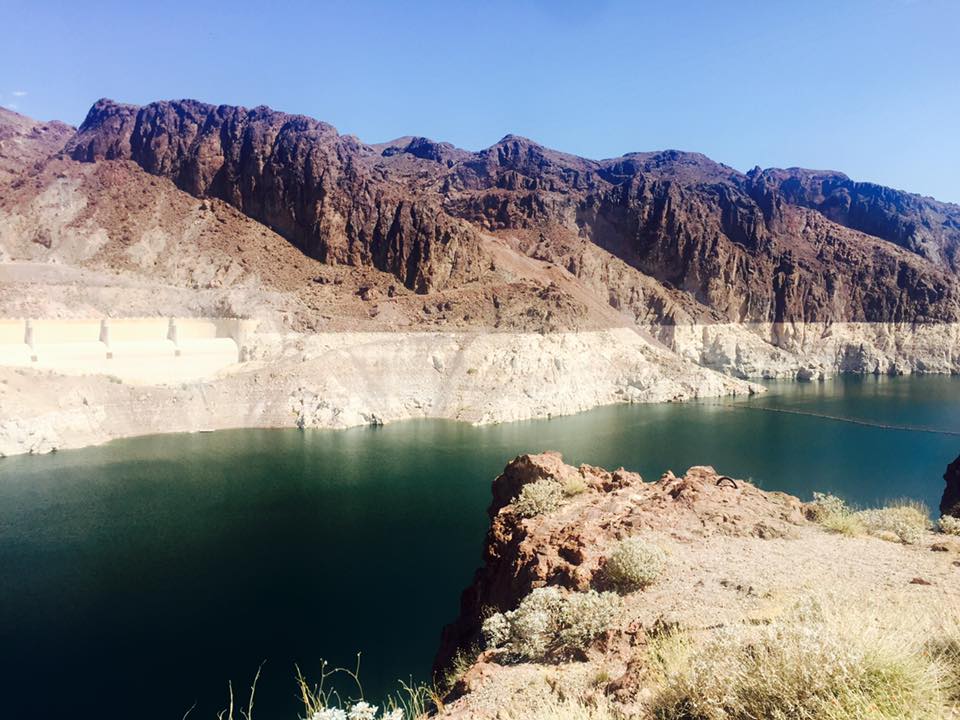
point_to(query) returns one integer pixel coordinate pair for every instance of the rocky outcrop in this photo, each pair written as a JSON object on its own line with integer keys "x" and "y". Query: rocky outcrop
{"x": 733, "y": 565}
{"x": 567, "y": 548}
{"x": 294, "y": 174}
{"x": 950, "y": 502}
{"x": 776, "y": 246}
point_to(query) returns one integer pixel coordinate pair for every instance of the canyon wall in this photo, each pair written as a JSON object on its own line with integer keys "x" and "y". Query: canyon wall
{"x": 339, "y": 380}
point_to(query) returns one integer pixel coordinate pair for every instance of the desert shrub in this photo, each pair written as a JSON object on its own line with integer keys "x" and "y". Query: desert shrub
{"x": 551, "y": 623}
{"x": 904, "y": 522}
{"x": 846, "y": 524}
{"x": 949, "y": 525}
{"x": 808, "y": 664}
{"x": 633, "y": 565}
{"x": 901, "y": 521}
{"x": 825, "y": 506}
{"x": 574, "y": 485}
{"x": 537, "y": 498}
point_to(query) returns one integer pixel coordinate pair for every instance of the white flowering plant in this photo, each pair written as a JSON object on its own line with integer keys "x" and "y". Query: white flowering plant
{"x": 825, "y": 505}
{"x": 551, "y": 623}
{"x": 949, "y": 525}
{"x": 903, "y": 522}
{"x": 324, "y": 703}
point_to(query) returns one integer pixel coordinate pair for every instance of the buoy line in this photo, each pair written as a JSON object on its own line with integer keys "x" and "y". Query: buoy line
{"x": 852, "y": 421}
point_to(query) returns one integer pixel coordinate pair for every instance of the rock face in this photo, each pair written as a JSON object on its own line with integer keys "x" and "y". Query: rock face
{"x": 294, "y": 174}
{"x": 776, "y": 246}
{"x": 567, "y": 548}
{"x": 919, "y": 224}
{"x": 24, "y": 142}
{"x": 950, "y": 502}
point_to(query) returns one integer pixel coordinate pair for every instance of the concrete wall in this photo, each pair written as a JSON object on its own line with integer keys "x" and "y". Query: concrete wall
{"x": 13, "y": 347}
{"x": 153, "y": 350}
{"x": 13, "y": 331}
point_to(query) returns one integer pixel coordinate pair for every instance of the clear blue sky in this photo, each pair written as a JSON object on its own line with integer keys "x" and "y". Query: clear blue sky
{"x": 869, "y": 87}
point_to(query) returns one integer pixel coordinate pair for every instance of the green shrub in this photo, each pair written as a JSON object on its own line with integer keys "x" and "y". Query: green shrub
{"x": 633, "y": 565}
{"x": 537, "y": 498}
{"x": 551, "y": 623}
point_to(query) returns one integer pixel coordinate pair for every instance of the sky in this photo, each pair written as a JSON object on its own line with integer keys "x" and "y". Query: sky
{"x": 867, "y": 87}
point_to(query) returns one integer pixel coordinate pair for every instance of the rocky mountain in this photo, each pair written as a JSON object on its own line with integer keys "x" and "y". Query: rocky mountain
{"x": 25, "y": 142}
{"x": 719, "y": 245}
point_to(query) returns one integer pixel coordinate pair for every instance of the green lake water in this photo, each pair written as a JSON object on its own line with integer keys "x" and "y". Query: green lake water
{"x": 138, "y": 578}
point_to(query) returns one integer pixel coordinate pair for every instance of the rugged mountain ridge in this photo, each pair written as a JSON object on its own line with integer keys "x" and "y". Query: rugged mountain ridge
{"x": 294, "y": 174}
{"x": 767, "y": 246}
{"x": 415, "y": 279}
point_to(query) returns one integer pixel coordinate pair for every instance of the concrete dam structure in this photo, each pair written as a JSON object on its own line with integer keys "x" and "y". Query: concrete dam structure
{"x": 152, "y": 350}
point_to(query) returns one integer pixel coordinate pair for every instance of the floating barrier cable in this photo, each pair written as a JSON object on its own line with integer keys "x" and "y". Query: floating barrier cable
{"x": 852, "y": 421}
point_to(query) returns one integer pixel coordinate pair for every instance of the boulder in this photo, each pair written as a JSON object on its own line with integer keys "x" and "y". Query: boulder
{"x": 950, "y": 502}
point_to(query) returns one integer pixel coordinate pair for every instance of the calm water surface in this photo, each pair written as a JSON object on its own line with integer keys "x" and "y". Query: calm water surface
{"x": 138, "y": 578}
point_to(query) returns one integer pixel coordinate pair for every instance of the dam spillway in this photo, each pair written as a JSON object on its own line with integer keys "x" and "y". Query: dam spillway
{"x": 152, "y": 350}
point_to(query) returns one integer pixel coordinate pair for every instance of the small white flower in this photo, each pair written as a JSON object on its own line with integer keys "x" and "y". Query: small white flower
{"x": 395, "y": 714}
{"x": 362, "y": 711}
{"x": 329, "y": 714}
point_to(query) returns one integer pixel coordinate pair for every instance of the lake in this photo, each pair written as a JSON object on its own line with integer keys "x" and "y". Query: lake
{"x": 139, "y": 577}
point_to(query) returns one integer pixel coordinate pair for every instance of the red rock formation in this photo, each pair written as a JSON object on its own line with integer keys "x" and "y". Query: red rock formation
{"x": 777, "y": 245}
{"x": 295, "y": 175}
{"x": 567, "y": 547}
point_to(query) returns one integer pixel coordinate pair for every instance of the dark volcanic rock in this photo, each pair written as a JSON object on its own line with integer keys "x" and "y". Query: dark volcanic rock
{"x": 294, "y": 174}
{"x": 919, "y": 224}
{"x": 767, "y": 246}
{"x": 950, "y": 502}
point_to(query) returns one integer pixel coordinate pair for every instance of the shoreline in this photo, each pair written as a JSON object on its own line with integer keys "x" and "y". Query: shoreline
{"x": 348, "y": 379}
{"x": 351, "y": 379}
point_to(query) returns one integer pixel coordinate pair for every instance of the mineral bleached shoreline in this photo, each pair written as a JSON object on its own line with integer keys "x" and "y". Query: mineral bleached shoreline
{"x": 341, "y": 380}
{"x": 348, "y": 379}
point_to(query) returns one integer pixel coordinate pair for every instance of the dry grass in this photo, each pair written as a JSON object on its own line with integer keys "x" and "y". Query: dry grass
{"x": 550, "y": 706}
{"x": 818, "y": 661}
{"x": 902, "y": 520}
{"x": 845, "y": 524}
{"x": 462, "y": 661}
